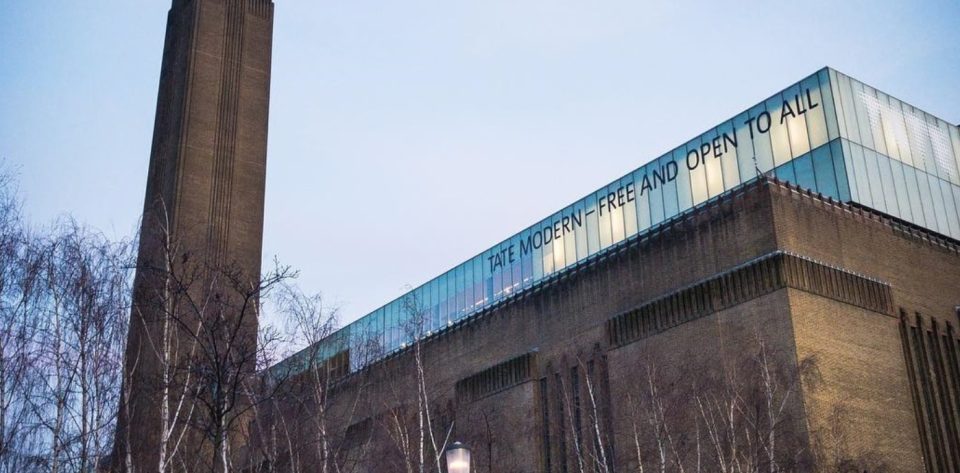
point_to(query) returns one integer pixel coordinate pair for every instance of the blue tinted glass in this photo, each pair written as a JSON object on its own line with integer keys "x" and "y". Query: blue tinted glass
{"x": 824, "y": 172}
{"x": 786, "y": 173}
{"x": 803, "y": 167}
{"x": 888, "y": 188}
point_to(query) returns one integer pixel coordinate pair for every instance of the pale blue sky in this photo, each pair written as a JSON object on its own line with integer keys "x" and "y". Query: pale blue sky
{"x": 406, "y": 137}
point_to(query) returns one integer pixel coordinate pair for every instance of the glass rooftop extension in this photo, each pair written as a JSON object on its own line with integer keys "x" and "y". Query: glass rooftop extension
{"x": 828, "y": 133}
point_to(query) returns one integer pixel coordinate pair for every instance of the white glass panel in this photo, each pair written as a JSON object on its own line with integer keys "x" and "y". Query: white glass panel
{"x": 938, "y": 205}
{"x": 581, "y": 229}
{"x": 630, "y": 206}
{"x": 811, "y": 97}
{"x": 643, "y": 193}
{"x": 913, "y": 192}
{"x": 850, "y": 114}
{"x": 779, "y": 138}
{"x": 830, "y": 104}
{"x": 793, "y": 115}
{"x": 746, "y": 159}
{"x": 591, "y": 217}
{"x": 950, "y": 208}
{"x": 729, "y": 159}
{"x": 684, "y": 195}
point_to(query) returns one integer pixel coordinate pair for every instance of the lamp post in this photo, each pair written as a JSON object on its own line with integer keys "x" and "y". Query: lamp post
{"x": 458, "y": 458}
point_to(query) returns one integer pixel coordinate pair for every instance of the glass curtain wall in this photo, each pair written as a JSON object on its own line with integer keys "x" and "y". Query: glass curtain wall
{"x": 828, "y": 133}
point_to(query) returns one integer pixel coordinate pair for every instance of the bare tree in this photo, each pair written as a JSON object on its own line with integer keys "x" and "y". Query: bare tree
{"x": 420, "y": 437}
{"x": 20, "y": 444}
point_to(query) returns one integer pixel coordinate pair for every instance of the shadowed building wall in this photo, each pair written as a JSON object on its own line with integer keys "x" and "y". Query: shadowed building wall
{"x": 550, "y": 379}
{"x": 204, "y": 198}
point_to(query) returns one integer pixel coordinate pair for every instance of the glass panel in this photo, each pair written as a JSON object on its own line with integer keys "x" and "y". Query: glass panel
{"x": 945, "y": 167}
{"x": 711, "y": 153}
{"x": 759, "y": 125}
{"x": 581, "y": 229}
{"x": 824, "y": 173}
{"x": 950, "y": 208}
{"x": 926, "y": 200}
{"x": 956, "y": 203}
{"x": 698, "y": 178}
{"x": 955, "y": 139}
{"x": 629, "y": 197}
{"x": 877, "y": 112}
{"x": 903, "y": 196}
{"x": 779, "y": 139}
{"x": 894, "y": 128}
{"x": 603, "y": 215}
{"x": 793, "y": 113}
{"x": 547, "y": 237}
{"x": 746, "y": 159}
{"x": 938, "y": 205}
{"x": 593, "y": 224}
{"x": 863, "y": 115}
{"x": 845, "y": 89}
{"x": 873, "y": 175}
{"x": 786, "y": 173}
{"x": 840, "y": 168}
{"x": 479, "y": 294}
{"x": 646, "y": 196}
{"x": 669, "y": 175}
{"x": 888, "y": 187}
{"x": 864, "y": 196}
{"x": 684, "y": 196}
{"x": 829, "y": 104}
{"x": 811, "y": 99}
{"x": 731, "y": 170}
{"x": 803, "y": 167}
{"x": 913, "y": 192}
{"x": 616, "y": 198}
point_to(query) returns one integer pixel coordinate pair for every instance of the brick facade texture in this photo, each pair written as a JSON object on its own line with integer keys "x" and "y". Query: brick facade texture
{"x": 822, "y": 292}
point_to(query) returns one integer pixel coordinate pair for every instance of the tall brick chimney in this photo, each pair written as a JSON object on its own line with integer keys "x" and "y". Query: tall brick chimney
{"x": 204, "y": 195}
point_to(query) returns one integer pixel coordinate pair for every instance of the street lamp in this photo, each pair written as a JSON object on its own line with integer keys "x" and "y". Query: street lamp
{"x": 458, "y": 458}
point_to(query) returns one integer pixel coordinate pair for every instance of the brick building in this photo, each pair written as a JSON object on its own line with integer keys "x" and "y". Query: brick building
{"x": 780, "y": 294}
{"x": 774, "y": 292}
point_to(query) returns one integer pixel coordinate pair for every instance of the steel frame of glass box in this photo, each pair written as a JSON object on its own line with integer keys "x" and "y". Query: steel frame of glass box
{"x": 828, "y": 133}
